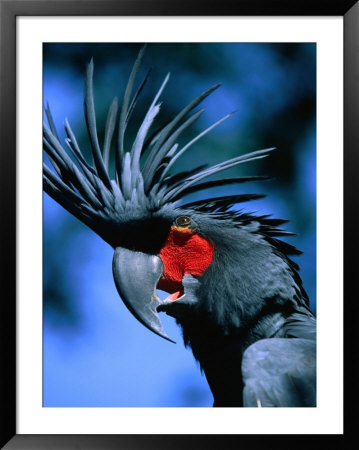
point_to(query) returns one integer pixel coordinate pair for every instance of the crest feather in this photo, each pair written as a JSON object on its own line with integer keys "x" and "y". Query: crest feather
{"x": 142, "y": 174}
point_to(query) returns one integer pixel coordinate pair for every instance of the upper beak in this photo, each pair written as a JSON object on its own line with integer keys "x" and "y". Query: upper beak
{"x": 136, "y": 275}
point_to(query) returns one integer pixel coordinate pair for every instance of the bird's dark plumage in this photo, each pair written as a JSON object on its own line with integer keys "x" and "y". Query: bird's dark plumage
{"x": 234, "y": 290}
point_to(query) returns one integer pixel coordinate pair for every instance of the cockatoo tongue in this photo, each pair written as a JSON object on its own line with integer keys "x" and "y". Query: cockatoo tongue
{"x": 175, "y": 296}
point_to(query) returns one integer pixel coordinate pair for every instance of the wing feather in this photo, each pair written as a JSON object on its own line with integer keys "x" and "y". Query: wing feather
{"x": 280, "y": 372}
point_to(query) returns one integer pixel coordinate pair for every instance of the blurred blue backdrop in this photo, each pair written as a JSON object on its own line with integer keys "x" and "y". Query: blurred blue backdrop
{"x": 95, "y": 352}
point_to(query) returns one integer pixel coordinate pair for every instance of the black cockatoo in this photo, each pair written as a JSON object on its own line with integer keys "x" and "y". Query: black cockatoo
{"x": 232, "y": 287}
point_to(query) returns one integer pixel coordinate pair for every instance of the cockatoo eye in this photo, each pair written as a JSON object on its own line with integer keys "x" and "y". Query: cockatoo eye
{"x": 183, "y": 221}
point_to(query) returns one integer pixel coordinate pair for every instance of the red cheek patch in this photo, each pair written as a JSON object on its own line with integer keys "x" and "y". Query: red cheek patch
{"x": 184, "y": 252}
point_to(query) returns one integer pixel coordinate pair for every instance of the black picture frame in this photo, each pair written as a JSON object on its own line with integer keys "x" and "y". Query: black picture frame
{"x": 9, "y": 10}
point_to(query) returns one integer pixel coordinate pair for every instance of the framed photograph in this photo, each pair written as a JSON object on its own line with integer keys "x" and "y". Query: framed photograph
{"x": 140, "y": 120}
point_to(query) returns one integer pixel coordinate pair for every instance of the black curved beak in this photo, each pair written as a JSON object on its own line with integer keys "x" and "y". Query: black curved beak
{"x": 136, "y": 275}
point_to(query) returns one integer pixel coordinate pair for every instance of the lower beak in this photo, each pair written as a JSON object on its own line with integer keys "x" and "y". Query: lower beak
{"x": 136, "y": 275}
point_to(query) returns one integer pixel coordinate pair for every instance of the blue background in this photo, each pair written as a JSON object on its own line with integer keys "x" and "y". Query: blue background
{"x": 95, "y": 352}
